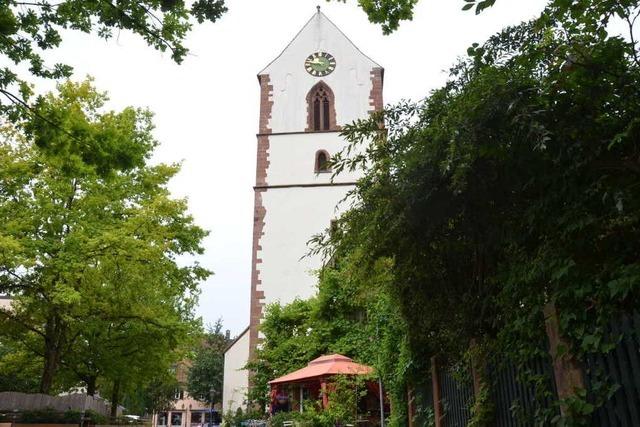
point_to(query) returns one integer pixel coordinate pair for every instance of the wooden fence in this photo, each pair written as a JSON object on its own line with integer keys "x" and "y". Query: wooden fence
{"x": 517, "y": 400}
{"x": 12, "y": 401}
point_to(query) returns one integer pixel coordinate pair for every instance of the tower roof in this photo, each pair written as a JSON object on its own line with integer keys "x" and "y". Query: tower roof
{"x": 322, "y": 34}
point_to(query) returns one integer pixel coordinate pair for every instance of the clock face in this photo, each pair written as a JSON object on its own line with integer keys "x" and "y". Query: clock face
{"x": 320, "y": 64}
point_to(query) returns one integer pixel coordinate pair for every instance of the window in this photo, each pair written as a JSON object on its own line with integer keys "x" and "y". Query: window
{"x": 196, "y": 418}
{"x": 321, "y": 109}
{"x": 162, "y": 419}
{"x": 176, "y": 418}
{"x": 322, "y": 162}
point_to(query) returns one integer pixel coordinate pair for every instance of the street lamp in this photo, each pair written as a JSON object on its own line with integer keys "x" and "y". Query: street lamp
{"x": 212, "y": 391}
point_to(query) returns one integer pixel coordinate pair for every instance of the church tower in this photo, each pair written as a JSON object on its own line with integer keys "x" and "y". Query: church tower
{"x": 319, "y": 83}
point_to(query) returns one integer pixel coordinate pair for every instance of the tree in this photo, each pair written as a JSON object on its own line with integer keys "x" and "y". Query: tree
{"x": 351, "y": 315}
{"x": 28, "y": 28}
{"x": 587, "y": 14}
{"x": 512, "y": 187}
{"x": 390, "y": 13}
{"x": 90, "y": 241}
{"x": 206, "y": 370}
{"x": 18, "y": 371}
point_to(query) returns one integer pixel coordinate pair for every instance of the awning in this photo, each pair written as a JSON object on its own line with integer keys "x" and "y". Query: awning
{"x": 334, "y": 364}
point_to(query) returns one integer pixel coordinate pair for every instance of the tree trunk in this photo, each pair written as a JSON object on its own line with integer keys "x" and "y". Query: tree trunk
{"x": 115, "y": 396}
{"x": 46, "y": 381}
{"x": 566, "y": 368}
{"x": 51, "y": 356}
{"x": 478, "y": 365}
{"x": 91, "y": 385}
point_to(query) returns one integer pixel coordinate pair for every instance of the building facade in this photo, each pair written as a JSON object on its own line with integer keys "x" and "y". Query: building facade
{"x": 5, "y": 302}
{"x": 185, "y": 411}
{"x": 319, "y": 83}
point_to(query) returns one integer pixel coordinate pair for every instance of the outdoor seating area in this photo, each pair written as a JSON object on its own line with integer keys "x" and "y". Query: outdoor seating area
{"x": 316, "y": 384}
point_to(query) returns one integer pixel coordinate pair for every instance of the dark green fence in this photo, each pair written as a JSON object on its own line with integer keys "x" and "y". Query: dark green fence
{"x": 457, "y": 398}
{"x": 621, "y": 368}
{"x": 612, "y": 378}
{"x": 517, "y": 398}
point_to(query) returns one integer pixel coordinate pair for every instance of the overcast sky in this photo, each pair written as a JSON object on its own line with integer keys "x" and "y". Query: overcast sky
{"x": 206, "y": 110}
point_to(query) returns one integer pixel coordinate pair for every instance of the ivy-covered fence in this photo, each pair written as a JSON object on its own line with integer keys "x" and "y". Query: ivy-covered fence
{"x": 457, "y": 398}
{"x": 518, "y": 395}
{"x": 620, "y": 366}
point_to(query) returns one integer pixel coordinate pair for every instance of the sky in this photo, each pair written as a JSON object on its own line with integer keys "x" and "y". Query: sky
{"x": 206, "y": 109}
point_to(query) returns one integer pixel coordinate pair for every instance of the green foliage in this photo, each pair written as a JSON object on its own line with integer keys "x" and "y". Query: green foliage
{"x": 311, "y": 418}
{"x": 85, "y": 135}
{"x": 512, "y": 186}
{"x": 344, "y": 392}
{"x": 483, "y": 409}
{"x": 89, "y": 247}
{"x": 349, "y": 316}
{"x": 586, "y": 16}
{"x": 155, "y": 394}
{"x": 479, "y": 5}
{"x": 239, "y": 417}
{"x": 50, "y": 416}
{"x": 288, "y": 346}
{"x": 18, "y": 370}
{"x": 280, "y": 418}
{"x": 207, "y": 366}
{"x": 27, "y": 29}
{"x": 388, "y": 13}
{"x": 45, "y": 415}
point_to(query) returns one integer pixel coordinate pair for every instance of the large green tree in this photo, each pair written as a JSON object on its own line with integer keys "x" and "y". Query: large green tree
{"x": 512, "y": 187}
{"x": 585, "y": 13}
{"x": 90, "y": 242}
{"x": 352, "y": 315}
{"x": 206, "y": 368}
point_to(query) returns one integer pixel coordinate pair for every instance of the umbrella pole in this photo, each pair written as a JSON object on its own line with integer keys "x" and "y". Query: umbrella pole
{"x": 381, "y": 402}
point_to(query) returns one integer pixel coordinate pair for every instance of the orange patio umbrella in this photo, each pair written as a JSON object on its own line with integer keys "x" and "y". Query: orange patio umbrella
{"x": 333, "y": 364}
{"x": 321, "y": 368}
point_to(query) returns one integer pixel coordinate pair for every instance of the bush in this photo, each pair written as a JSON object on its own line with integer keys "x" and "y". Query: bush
{"x": 235, "y": 420}
{"x": 51, "y": 416}
{"x": 306, "y": 419}
{"x": 46, "y": 416}
{"x": 71, "y": 417}
{"x": 302, "y": 420}
{"x": 96, "y": 418}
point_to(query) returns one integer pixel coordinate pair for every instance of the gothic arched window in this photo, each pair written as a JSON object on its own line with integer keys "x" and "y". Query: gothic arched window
{"x": 322, "y": 162}
{"x": 321, "y": 108}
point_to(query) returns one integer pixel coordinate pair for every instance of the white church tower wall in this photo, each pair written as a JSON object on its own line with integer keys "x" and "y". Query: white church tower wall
{"x": 319, "y": 83}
